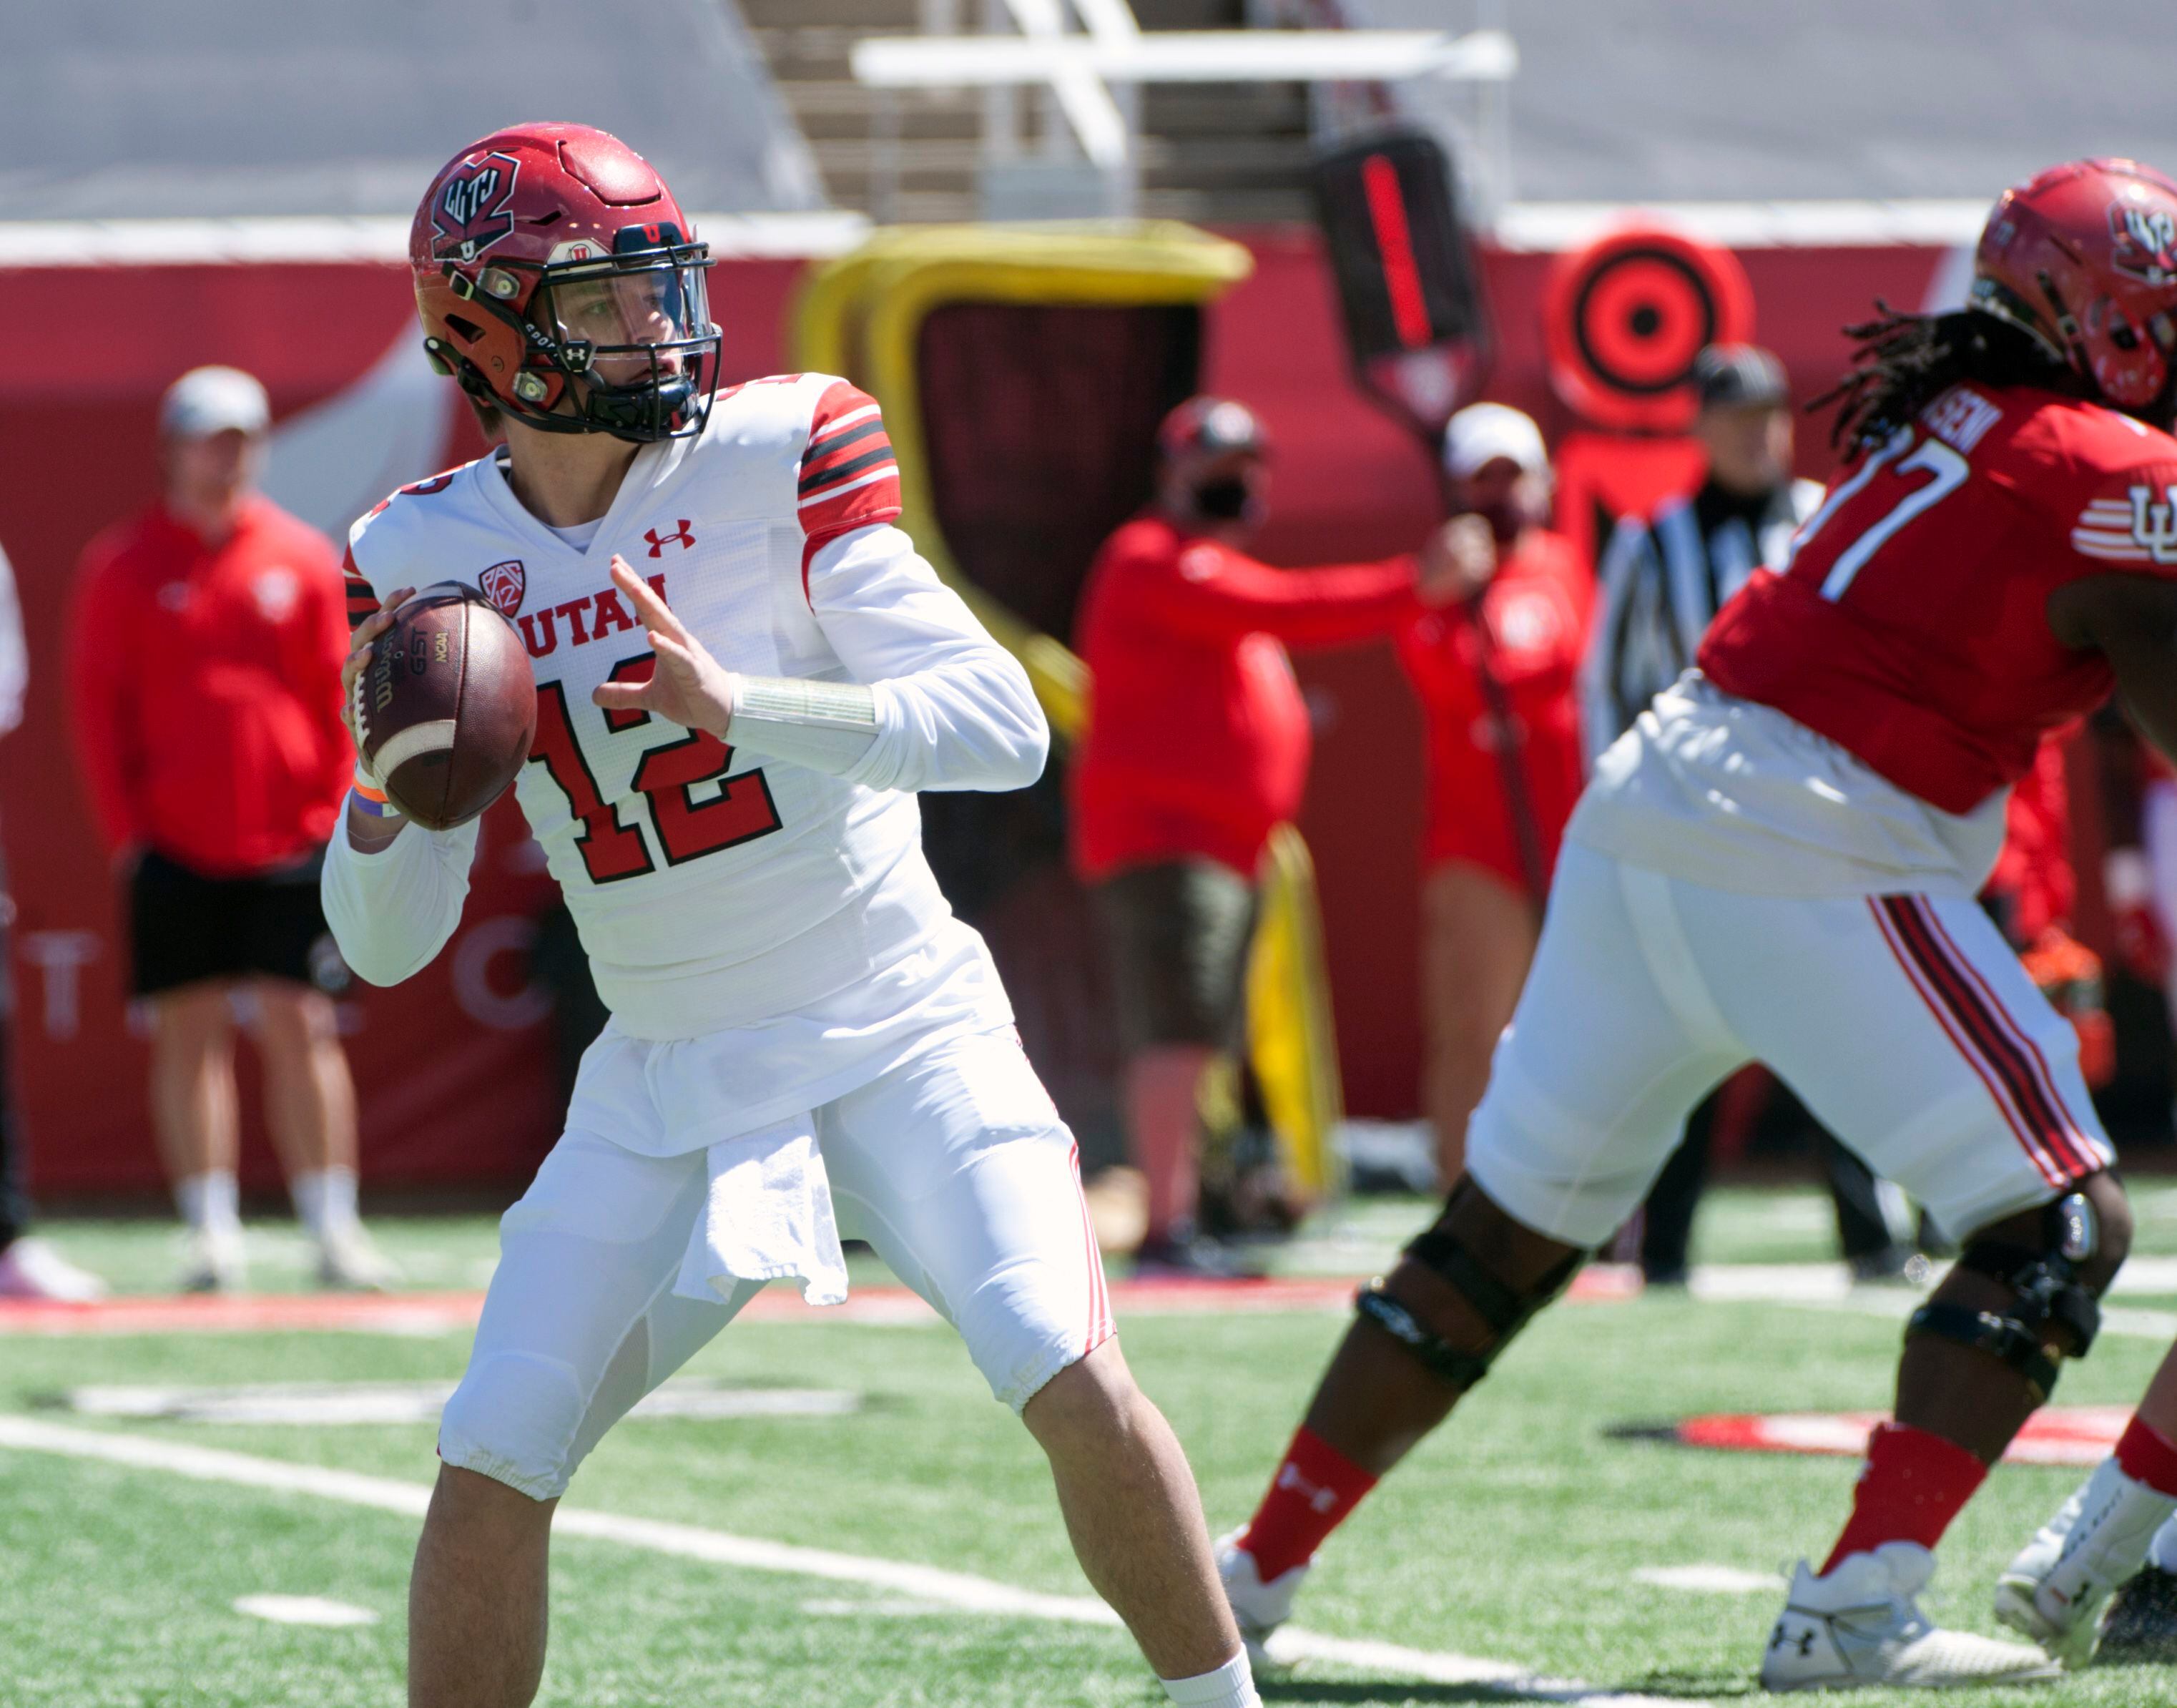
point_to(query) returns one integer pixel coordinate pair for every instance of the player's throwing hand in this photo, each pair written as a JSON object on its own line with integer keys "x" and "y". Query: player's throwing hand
{"x": 688, "y": 687}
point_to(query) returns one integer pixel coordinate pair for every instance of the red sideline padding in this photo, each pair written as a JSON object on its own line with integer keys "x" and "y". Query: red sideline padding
{"x": 2055, "y": 1435}
{"x": 454, "y": 1068}
{"x": 441, "y": 1313}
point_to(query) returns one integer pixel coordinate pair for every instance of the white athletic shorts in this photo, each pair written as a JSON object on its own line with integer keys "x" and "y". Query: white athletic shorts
{"x": 1904, "y": 1022}
{"x": 955, "y": 1167}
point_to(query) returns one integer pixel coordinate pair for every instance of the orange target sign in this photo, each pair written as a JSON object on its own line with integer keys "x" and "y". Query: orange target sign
{"x": 1625, "y": 317}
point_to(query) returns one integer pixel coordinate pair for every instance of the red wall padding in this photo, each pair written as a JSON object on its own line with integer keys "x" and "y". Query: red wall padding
{"x": 455, "y": 1068}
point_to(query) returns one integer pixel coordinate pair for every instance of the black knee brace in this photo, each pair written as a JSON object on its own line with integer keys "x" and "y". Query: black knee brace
{"x": 2049, "y": 1300}
{"x": 1505, "y": 1309}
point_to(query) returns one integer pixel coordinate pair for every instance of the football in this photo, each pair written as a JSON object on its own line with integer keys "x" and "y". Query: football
{"x": 447, "y": 706}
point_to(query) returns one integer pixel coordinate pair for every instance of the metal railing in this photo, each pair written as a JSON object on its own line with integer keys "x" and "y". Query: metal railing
{"x": 1082, "y": 64}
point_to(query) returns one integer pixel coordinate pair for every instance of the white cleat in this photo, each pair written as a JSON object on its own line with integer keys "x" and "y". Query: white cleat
{"x": 349, "y": 1261}
{"x": 2057, "y": 1592}
{"x": 30, "y": 1269}
{"x": 213, "y": 1261}
{"x": 1258, "y": 1608}
{"x": 1859, "y": 1627}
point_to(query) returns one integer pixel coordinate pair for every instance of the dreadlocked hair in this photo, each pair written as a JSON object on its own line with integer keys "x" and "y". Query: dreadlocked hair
{"x": 1903, "y": 360}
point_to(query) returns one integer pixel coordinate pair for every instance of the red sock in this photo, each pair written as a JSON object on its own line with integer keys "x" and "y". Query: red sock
{"x": 1913, "y": 1485}
{"x": 2146, "y": 1455}
{"x": 1309, "y": 1498}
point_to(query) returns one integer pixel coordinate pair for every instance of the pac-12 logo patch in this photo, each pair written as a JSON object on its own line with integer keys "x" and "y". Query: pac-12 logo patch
{"x": 475, "y": 207}
{"x": 504, "y": 585}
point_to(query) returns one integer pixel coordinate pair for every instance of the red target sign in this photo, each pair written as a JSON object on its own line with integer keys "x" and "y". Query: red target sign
{"x": 1625, "y": 317}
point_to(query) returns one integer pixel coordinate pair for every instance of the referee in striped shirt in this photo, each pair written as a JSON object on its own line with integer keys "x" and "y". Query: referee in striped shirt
{"x": 1662, "y": 581}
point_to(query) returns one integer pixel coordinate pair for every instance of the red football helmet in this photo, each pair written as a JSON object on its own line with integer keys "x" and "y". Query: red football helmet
{"x": 558, "y": 280}
{"x": 2084, "y": 258}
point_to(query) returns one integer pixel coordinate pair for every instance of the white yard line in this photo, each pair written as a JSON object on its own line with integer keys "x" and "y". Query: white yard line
{"x": 2124, "y": 1322}
{"x": 304, "y": 1610}
{"x": 1710, "y": 1580}
{"x": 955, "y": 1591}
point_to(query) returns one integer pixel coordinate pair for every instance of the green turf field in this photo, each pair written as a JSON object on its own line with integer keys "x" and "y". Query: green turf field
{"x": 1514, "y": 1535}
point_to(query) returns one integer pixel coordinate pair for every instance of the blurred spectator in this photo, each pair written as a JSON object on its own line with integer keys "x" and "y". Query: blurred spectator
{"x": 29, "y": 1268}
{"x": 1496, "y": 674}
{"x": 1663, "y": 581}
{"x": 1197, "y": 748}
{"x": 209, "y": 634}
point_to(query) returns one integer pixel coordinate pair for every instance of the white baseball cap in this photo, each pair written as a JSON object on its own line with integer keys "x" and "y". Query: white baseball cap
{"x": 1481, "y": 433}
{"x": 205, "y": 400}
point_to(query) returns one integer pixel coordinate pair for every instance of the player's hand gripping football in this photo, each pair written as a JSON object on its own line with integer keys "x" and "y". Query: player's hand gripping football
{"x": 688, "y": 687}
{"x": 358, "y": 657}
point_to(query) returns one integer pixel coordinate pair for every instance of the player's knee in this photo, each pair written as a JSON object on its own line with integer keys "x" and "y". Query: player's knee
{"x": 2112, "y": 1210}
{"x": 1467, "y": 1285}
{"x": 2026, "y": 1290}
{"x": 513, "y": 1419}
{"x": 1092, "y": 1394}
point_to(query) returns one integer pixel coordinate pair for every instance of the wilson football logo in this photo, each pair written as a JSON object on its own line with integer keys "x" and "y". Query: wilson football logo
{"x": 475, "y": 209}
{"x": 504, "y": 585}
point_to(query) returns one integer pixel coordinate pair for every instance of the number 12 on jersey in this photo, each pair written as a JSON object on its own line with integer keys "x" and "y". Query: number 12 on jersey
{"x": 666, "y": 776}
{"x": 1946, "y": 471}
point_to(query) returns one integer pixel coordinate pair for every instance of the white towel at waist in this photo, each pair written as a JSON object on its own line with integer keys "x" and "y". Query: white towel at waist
{"x": 767, "y": 1216}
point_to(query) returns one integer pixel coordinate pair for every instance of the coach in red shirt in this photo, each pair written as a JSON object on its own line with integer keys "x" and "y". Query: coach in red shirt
{"x": 1197, "y": 746}
{"x": 1497, "y": 677}
{"x": 207, "y": 638}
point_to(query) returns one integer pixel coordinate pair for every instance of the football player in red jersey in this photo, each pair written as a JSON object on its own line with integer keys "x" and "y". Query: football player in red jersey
{"x": 1778, "y": 863}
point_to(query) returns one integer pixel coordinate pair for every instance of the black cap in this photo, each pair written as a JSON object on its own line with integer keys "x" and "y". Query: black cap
{"x": 1736, "y": 376}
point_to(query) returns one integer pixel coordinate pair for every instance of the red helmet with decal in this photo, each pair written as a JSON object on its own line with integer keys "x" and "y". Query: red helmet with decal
{"x": 2083, "y": 256}
{"x": 558, "y": 280}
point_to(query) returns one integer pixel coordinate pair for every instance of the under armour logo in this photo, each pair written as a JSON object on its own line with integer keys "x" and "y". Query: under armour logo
{"x": 680, "y": 536}
{"x": 1803, "y": 1640}
{"x": 2154, "y": 525}
{"x": 1322, "y": 1499}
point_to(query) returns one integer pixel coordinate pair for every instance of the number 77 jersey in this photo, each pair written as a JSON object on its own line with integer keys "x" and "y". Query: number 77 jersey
{"x": 1910, "y": 626}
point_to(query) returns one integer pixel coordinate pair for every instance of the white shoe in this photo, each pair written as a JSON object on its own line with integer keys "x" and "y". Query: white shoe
{"x": 1258, "y": 1608}
{"x": 2057, "y": 1592}
{"x": 31, "y": 1269}
{"x": 1859, "y": 1626}
{"x": 213, "y": 1261}
{"x": 349, "y": 1261}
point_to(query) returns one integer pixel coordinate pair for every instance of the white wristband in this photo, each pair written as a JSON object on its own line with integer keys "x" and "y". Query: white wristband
{"x": 826, "y": 726}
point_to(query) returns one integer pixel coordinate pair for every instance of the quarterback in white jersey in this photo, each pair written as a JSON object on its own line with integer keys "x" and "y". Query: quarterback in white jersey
{"x": 743, "y": 673}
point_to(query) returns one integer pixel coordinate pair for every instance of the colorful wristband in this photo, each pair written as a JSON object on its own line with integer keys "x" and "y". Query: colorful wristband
{"x": 370, "y": 797}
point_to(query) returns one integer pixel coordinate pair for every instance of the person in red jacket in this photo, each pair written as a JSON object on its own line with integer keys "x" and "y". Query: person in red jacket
{"x": 1196, "y": 747}
{"x": 207, "y": 638}
{"x": 1496, "y": 674}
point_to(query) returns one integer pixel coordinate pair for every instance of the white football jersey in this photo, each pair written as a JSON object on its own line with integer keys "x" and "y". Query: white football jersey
{"x": 713, "y": 887}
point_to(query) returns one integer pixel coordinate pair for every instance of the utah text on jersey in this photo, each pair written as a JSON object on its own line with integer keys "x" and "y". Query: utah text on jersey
{"x": 710, "y": 890}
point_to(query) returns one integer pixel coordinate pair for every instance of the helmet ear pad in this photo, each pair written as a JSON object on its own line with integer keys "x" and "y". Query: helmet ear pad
{"x": 2129, "y": 366}
{"x": 482, "y": 342}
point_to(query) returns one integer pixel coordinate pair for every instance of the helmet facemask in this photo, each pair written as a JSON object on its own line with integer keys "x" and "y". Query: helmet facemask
{"x": 620, "y": 343}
